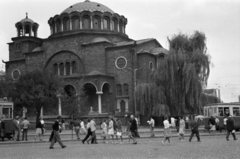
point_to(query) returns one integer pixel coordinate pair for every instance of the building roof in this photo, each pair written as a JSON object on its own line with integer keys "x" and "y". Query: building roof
{"x": 37, "y": 49}
{"x": 158, "y": 50}
{"x": 87, "y": 5}
{"x": 137, "y": 42}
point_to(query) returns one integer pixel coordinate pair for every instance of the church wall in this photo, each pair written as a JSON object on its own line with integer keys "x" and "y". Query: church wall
{"x": 10, "y": 67}
{"x": 34, "y": 61}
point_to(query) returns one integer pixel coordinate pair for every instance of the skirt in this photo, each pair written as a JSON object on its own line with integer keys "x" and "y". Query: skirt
{"x": 38, "y": 131}
{"x": 110, "y": 132}
{"x": 167, "y": 132}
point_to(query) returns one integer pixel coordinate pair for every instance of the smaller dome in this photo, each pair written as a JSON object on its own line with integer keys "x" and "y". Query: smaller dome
{"x": 25, "y": 20}
{"x": 158, "y": 50}
{"x": 99, "y": 39}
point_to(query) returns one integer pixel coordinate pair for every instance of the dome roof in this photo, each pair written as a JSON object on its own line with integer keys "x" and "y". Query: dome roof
{"x": 27, "y": 20}
{"x": 87, "y": 6}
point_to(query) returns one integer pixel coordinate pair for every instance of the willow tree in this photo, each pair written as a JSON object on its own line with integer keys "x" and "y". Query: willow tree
{"x": 151, "y": 99}
{"x": 184, "y": 72}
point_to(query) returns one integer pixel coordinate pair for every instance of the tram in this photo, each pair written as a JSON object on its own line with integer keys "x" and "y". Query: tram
{"x": 221, "y": 110}
{"x": 6, "y": 113}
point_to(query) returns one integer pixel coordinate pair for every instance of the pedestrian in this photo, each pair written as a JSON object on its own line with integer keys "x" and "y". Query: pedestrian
{"x": 167, "y": 131}
{"x": 133, "y": 129}
{"x": 82, "y": 129}
{"x": 63, "y": 124}
{"x": 212, "y": 125}
{"x": 2, "y": 128}
{"x": 194, "y": 130}
{"x": 25, "y": 125}
{"x": 181, "y": 129}
{"x": 39, "y": 128}
{"x": 43, "y": 125}
{"x": 111, "y": 129}
{"x": 16, "y": 128}
{"x": 230, "y": 128}
{"x": 173, "y": 120}
{"x": 128, "y": 132}
{"x": 225, "y": 123}
{"x": 151, "y": 123}
{"x": 138, "y": 124}
{"x": 119, "y": 130}
{"x": 88, "y": 132}
{"x": 56, "y": 136}
{"x": 217, "y": 124}
{"x": 93, "y": 128}
{"x": 187, "y": 122}
{"x": 76, "y": 127}
{"x": 104, "y": 131}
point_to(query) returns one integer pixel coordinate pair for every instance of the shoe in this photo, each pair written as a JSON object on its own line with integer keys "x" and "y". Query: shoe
{"x": 78, "y": 138}
{"x": 51, "y": 148}
{"x": 227, "y": 139}
{"x": 163, "y": 143}
{"x": 235, "y": 138}
{"x": 135, "y": 143}
{"x": 64, "y": 146}
{"x": 199, "y": 141}
{"x": 189, "y": 140}
{"x": 82, "y": 141}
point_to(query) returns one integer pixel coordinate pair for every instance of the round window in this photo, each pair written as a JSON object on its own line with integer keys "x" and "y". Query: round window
{"x": 151, "y": 66}
{"x": 121, "y": 62}
{"x": 16, "y": 74}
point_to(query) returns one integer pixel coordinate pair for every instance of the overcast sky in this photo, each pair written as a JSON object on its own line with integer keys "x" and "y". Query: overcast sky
{"x": 159, "y": 19}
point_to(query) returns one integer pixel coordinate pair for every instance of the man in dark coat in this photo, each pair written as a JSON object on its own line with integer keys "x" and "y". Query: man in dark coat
{"x": 133, "y": 129}
{"x": 230, "y": 128}
{"x": 2, "y": 128}
{"x": 194, "y": 127}
{"x": 56, "y": 136}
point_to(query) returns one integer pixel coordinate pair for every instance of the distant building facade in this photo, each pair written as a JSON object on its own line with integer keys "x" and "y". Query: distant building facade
{"x": 88, "y": 48}
{"x": 213, "y": 92}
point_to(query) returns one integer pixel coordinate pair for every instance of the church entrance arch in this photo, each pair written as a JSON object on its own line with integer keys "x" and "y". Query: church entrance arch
{"x": 91, "y": 103}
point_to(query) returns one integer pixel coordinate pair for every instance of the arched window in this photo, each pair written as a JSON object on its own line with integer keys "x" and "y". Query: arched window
{"x": 66, "y": 25}
{"x": 55, "y": 69}
{"x": 74, "y": 67}
{"x": 96, "y": 22}
{"x": 115, "y": 25}
{"x": 106, "y": 23}
{"x": 121, "y": 26}
{"x": 61, "y": 67}
{"x": 123, "y": 106}
{"x": 125, "y": 89}
{"x": 58, "y": 26}
{"x": 67, "y": 68}
{"x": 86, "y": 22}
{"x": 76, "y": 23}
{"x": 119, "y": 90}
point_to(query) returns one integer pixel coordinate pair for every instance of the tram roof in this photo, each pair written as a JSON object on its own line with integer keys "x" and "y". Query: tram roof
{"x": 222, "y": 104}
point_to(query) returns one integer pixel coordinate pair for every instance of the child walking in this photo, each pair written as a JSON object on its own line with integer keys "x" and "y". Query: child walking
{"x": 181, "y": 129}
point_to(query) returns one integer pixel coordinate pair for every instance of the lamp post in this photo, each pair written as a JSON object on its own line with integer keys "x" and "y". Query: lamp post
{"x": 59, "y": 104}
{"x": 135, "y": 86}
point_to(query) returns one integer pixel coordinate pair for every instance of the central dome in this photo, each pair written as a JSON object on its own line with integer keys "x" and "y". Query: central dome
{"x": 87, "y": 6}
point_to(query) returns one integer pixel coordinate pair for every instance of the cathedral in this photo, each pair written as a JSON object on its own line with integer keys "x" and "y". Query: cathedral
{"x": 88, "y": 48}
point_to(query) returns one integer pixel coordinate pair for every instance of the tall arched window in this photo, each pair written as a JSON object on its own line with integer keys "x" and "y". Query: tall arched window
{"x": 121, "y": 26}
{"x": 66, "y": 25}
{"x": 55, "y": 69}
{"x": 67, "y": 68}
{"x": 115, "y": 25}
{"x": 86, "y": 22}
{"x": 76, "y": 23}
{"x": 58, "y": 26}
{"x": 74, "y": 67}
{"x": 61, "y": 67}
{"x": 106, "y": 23}
{"x": 119, "y": 90}
{"x": 125, "y": 89}
{"x": 96, "y": 22}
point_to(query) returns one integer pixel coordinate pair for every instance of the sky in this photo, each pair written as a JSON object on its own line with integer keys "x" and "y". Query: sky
{"x": 159, "y": 19}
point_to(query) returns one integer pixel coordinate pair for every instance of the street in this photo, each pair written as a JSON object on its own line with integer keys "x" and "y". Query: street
{"x": 211, "y": 147}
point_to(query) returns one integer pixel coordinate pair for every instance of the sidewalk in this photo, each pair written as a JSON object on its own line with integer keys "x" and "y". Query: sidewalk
{"x": 144, "y": 132}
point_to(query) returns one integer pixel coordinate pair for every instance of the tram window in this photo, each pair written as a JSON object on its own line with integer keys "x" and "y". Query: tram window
{"x": 6, "y": 112}
{"x": 220, "y": 111}
{"x": 226, "y": 111}
{"x": 210, "y": 111}
{"x": 236, "y": 111}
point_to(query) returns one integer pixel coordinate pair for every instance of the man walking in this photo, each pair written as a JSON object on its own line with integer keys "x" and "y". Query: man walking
{"x": 17, "y": 128}
{"x": 194, "y": 128}
{"x": 25, "y": 125}
{"x": 76, "y": 126}
{"x": 230, "y": 128}
{"x": 93, "y": 137}
{"x": 151, "y": 123}
{"x": 133, "y": 129}
{"x": 56, "y": 136}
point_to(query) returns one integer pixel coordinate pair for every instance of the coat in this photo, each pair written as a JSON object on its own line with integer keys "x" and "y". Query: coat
{"x": 230, "y": 124}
